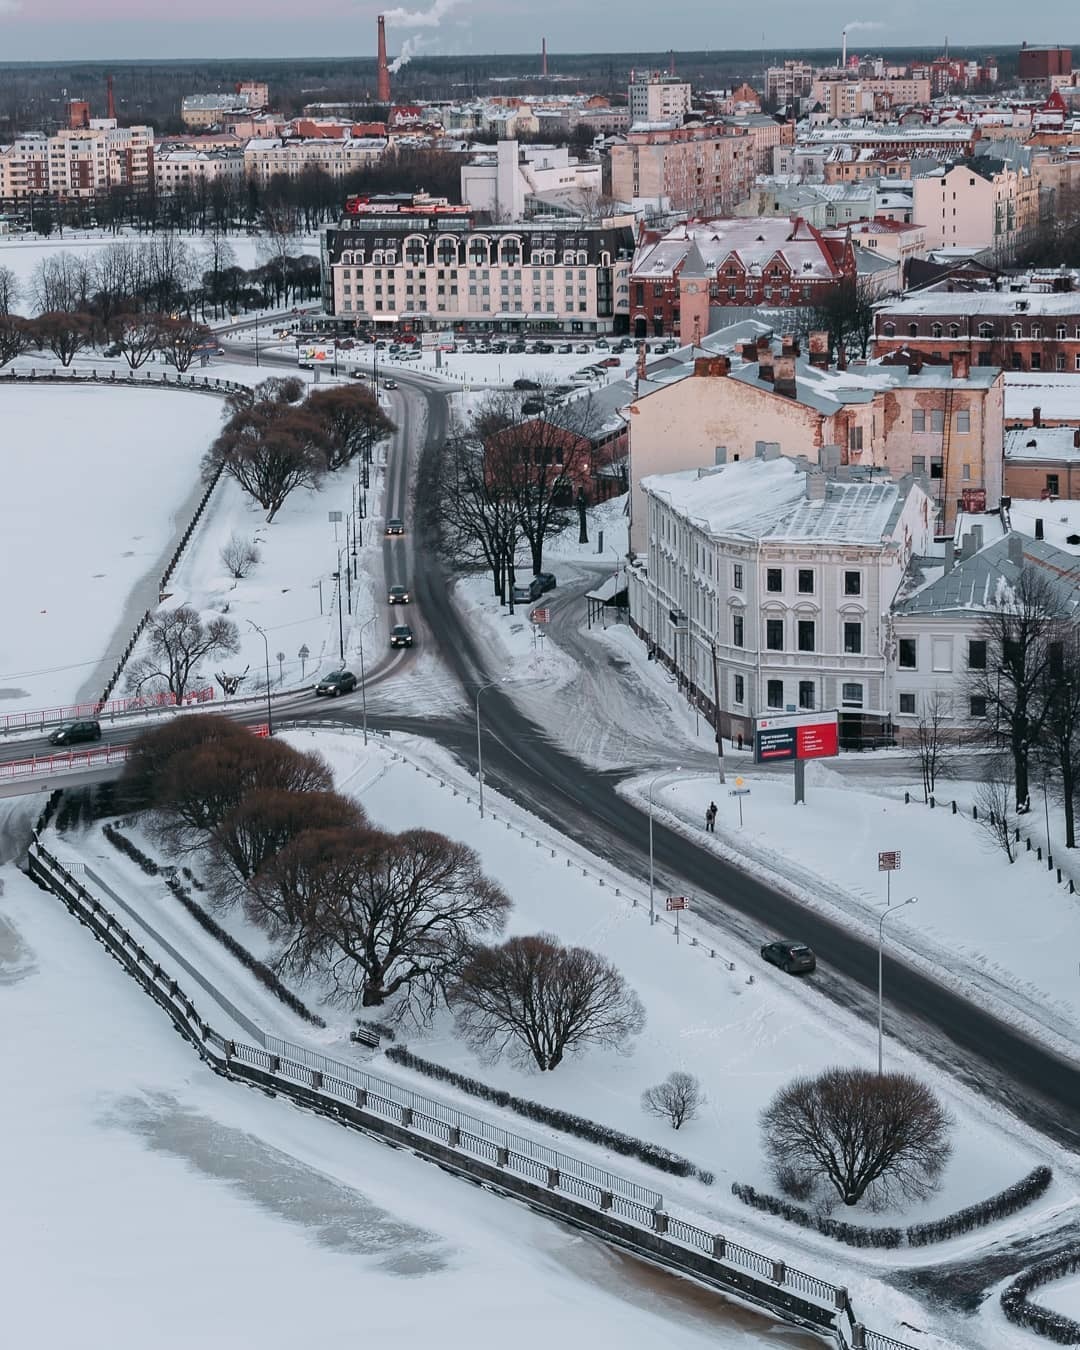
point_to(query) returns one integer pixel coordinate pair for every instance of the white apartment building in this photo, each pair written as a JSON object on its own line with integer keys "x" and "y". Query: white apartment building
{"x": 767, "y": 585}
{"x": 78, "y": 163}
{"x": 501, "y": 182}
{"x": 266, "y": 158}
{"x": 657, "y": 98}
{"x": 182, "y": 168}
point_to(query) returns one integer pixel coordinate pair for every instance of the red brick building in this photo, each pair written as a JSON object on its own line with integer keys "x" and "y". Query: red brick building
{"x": 768, "y": 262}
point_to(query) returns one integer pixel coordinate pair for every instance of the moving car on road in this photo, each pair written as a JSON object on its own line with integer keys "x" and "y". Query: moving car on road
{"x": 546, "y": 581}
{"x": 337, "y": 682}
{"x": 74, "y": 733}
{"x": 395, "y": 525}
{"x": 401, "y": 635}
{"x": 794, "y": 958}
{"x": 389, "y": 384}
{"x": 399, "y": 595}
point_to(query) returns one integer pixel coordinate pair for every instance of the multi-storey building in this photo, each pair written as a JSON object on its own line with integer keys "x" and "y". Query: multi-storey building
{"x": 1037, "y": 67}
{"x": 703, "y": 170}
{"x": 785, "y": 85}
{"x": 936, "y": 142}
{"x": 1019, "y": 330}
{"x": 178, "y": 169}
{"x": 765, "y": 586}
{"x": 843, "y": 97}
{"x": 508, "y": 181}
{"x": 683, "y": 274}
{"x": 426, "y": 265}
{"x": 267, "y": 158}
{"x": 82, "y": 162}
{"x": 657, "y": 98}
{"x": 982, "y": 203}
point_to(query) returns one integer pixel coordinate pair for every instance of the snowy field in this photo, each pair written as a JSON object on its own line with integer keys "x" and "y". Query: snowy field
{"x": 220, "y": 1217}
{"x": 98, "y": 483}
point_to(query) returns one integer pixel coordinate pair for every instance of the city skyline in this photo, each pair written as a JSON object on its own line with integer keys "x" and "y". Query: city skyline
{"x": 70, "y": 30}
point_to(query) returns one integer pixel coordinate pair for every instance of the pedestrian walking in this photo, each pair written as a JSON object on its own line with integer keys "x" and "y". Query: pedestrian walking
{"x": 740, "y": 740}
{"x": 710, "y": 818}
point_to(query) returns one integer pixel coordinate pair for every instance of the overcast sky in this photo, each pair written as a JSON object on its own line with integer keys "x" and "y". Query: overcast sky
{"x": 42, "y": 30}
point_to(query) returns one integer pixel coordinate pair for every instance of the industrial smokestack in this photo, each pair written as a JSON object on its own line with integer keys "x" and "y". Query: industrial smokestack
{"x": 543, "y": 57}
{"x": 671, "y": 62}
{"x": 110, "y": 101}
{"x": 383, "y": 89}
{"x": 843, "y": 50}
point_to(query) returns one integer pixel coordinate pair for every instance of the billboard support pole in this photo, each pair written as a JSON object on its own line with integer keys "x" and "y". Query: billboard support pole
{"x": 800, "y": 781}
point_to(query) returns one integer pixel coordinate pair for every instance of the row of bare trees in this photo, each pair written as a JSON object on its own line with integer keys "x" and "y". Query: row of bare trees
{"x": 375, "y": 917}
{"x": 275, "y": 440}
{"x": 136, "y": 337}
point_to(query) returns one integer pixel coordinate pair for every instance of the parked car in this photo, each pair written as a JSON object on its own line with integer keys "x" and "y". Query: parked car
{"x": 531, "y": 407}
{"x": 498, "y": 348}
{"x": 583, "y": 347}
{"x": 399, "y": 595}
{"x": 74, "y": 733}
{"x": 544, "y": 348}
{"x": 546, "y": 580}
{"x": 794, "y": 958}
{"x": 565, "y": 348}
{"x": 337, "y": 682}
{"x": 395, "y": 525}
{"x": 526, "y": 592}
{"x": 389, "y": 384}
{"x": 401, "y": 635}
{"x": 526, "y": 384}
{"x": 609, "y": 362}
{"x": 603, "y": 342}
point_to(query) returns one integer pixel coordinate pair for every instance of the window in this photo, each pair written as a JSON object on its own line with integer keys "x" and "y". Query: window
{"x": 736, "y": 576}
{"x": 935, "y": 330}
{"x": 1036, "y": 360}
{"x": 806, "y": 693}
{"x": 986, "y": 330}
{"x": 1052, "y": 484}
{"x": 774, "y": 635}
{"x": 853, "y": 583}
{"x": 918, "y": 420}
{"x": 976, "y": 654}
{"x": 907, "y": 703}
{"x": 1061, "y": 330}
{"x": 736, "y": 630}
{"x": 977, "y": 705}
{"x": 918, "y": 463}
{"x": 942, "y": 654}
{"x": 806, "y": 635}
{"x": 937, "y": 420}
{"x": 855, "y": 438}
{"x": 908, "y": 654}
{"x": 774, "y": 693}
{"x": 963, "y": 422}
{"x": 936, "y": 467}
{"x": 740, "y": 689}
{"x": 806, "y": 581}
{"x": 852, "y": 637}
{"x": 851, "y": 695}
{"x": 774, "y": 579}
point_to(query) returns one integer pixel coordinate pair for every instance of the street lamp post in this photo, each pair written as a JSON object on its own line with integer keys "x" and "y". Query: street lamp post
{"x": 652, "y": 903}
{"x": 269, "y": 706}
{"x": 911, "y": 900}
{"x": 479, "y": 746}
{"x": 340, "y": 625}
{"x": 363, "y": 677}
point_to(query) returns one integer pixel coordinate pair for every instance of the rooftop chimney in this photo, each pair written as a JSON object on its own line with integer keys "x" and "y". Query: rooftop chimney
{"x": 819, "y": 349}
{"x": 711, "y": 365}
{"x": 749, "y": 351}
{"x": 789, "y": 345}
{"x": 784, "y": 375}
{"x": 1036, "y": 417}
{"x": 1039, "y": 528}
{"x": 815, "y": 484}
{"x": 765, "y": 362}
{"x": 383, "y": 76}
{"x": 961, "y": 365}
{"x": 950, "y": 555}
{"x": 543, "y": 58}
{"x": 1016, "y": 550}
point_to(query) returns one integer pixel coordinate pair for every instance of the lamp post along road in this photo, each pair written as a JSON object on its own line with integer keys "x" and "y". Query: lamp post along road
{"x": 652, "y": 869}
{"x": 269, "y": 706}
{"x": 363, "y": 677}
{"x": 911, "y": 900}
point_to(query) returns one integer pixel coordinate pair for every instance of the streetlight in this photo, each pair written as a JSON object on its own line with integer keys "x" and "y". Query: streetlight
{"x": 269, "y": 711}
{"x": 911, "y": 900}
{"x": 479, "y": 747}
{"x": 340, "y": 627}
{"x": 363, "y": 683}
{"x": 652, "y": 785}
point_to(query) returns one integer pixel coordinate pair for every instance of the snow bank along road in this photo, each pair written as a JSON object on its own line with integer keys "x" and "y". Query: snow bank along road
{"x": 522, "y": 760}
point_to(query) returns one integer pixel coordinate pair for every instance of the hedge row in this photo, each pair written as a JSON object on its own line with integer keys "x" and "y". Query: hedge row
{"x": 998, "y": 1206}
{"x": 624, "y": 1144}
{"x": 1014, "y": 1301}
{"x": 261, "y": 971}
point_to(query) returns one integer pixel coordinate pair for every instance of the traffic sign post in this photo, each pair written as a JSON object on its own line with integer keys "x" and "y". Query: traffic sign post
{"x": 675, "y": 905}
{"x": 888, "y": 862}
{"x": 739, "y": 791}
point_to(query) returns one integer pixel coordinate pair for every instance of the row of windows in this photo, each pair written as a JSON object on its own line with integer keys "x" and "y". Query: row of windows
{"x": 851, "y": 693}
{"x": 986, "y": 330}
{"x": 451, "y": 253}
{"x": 976, "y": 705}
{"x": 907, "y": 654}
{"x": 804, "y": 580}
{"x": 805, "y": 635}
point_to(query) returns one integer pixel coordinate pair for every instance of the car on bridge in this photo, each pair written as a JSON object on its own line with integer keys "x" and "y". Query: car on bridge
{"x": 395, "y": 525}
{"x": 401, "y": 635}
{"x": 337, "y": 682}
{"x": 75, "y": 733}
{"x": 399, "y": 595}
{"x": 793, "y": 958}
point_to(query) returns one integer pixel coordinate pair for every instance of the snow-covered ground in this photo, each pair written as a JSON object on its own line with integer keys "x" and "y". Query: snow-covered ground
{"x": 1062, "y": 1296}
{"x": 142, "y": 1176}
{"x": 98, "y": 483}
{"x": 517, "y": 649}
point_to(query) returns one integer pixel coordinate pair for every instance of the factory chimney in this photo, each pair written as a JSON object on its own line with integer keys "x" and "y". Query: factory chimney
{"x": 843, "y": 50}
{"x": 543, "y": 58}
{"x": 110, "y": 101}
{"x": 383, "y": 90}
{"x": 671, "y": 62}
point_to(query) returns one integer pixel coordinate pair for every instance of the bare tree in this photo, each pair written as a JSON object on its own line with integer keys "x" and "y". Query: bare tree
{"x": 152, "y": 750}
{"x": 181, "y": 338}
{"x": 16, "y": 337}
{"x": 239, "y": 555}
{"x": 62, "y": 282}
{"x": 541, "y": 999}
{"x": 10, "y": 290}
{"x": 270, "y": 450}
{"x": 992, "y": 799}
{"x": 274, "y": 389}
{"x": 883, "y": 1135}
{"x": 677, "y": 1099}
{"x": 846, "y": 313}
{"x": 137, "y": 336}
{"x": 930, "y": 733}
{"x": 1018, "y": 632}
{"x": 353, "y": 422}
{"x": 64, "y": 334}
{"x": 177, "y": 641}
{"x": 1059, "y": 747}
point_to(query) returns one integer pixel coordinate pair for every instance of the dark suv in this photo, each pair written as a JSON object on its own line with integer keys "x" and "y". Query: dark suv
{"x": 794, "y": 958}
{"x": 74, "y": 733}
{"x": 337, "y": 682}
{"x": 401, "y": 635}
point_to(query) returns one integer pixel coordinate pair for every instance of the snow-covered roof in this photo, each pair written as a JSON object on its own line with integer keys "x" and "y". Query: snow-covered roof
{"x": 767, "y": 499}
{"x": 1003, "y": 304}
{"x": 1060, "y": 522}
{"x": 755, "y": 240}
{"x": 1056, "y": 394}
{"x": 1043, "y": 443}
{"x": 980, "y": 581}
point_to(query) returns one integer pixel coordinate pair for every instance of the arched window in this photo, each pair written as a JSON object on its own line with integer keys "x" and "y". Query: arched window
{"x": 1036, "y": 330}
{"x": 447, "y": 252}
{"x": 888, "y": 330}
{"x": 1018, "y": 330}
{"x": 954, "y": 330}
{"x": 913, "y": 330}
{"x": 986, "y": 330}
{"x": 935, "y": 330}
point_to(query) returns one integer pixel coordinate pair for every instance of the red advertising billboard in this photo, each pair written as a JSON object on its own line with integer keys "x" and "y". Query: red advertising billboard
{"x": 809, "y": 735}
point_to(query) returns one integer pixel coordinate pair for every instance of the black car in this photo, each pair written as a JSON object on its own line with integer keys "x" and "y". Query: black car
{"x": 399, "y": 595}
{"x": 525, "y": 384}
{"x": 565, "y": 348}
{"x": 544, "y": 348}
{"x": 395, "y": 525}
{"x": 401, "y": 635}
{"x": 528, "y": 591}
{"x": 794, "y": 958}
{"x": 546, "y": 581}
{"x": 532, "y": 406}
{"x": 389, "y": 384}
{"x": 337, "y": 682}
{"x": 76, "y": 732}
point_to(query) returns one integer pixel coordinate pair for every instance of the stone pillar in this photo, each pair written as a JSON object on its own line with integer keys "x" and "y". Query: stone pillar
{"x": 778, "y": 1272}
{"x": 316, "y": 1079}
{"x": 502, "y": 1157}
{"x": 553, "y": 1179}
{"x": 605, "y": 1200}
{"x": 361, "y": 1097}
{"x": 719, "y": 1246}
{"x": 454, "y": 1141}
{"x": 406, "y": 1116}
{"x": 659, "y": 1221}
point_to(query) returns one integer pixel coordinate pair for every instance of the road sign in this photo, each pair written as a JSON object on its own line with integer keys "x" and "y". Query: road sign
{"x": 738, "y": 792}
{"x": 889, "y": 862}
{"x": 811, "y": 735}
{"x": 539, "y": 616}
{"x": 678, "y": 902}
{"x": 334, "y": 517}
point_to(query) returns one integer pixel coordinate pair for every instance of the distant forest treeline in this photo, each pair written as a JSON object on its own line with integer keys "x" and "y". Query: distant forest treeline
{"x": 32, "y": 94}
